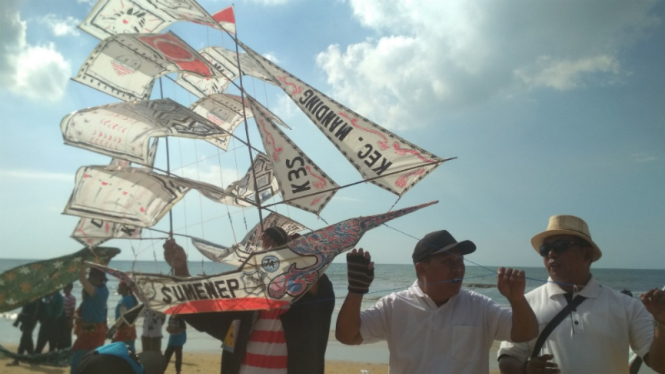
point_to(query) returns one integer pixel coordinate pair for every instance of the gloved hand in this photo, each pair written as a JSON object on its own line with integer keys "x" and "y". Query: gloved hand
{"x": 360, "y": 271}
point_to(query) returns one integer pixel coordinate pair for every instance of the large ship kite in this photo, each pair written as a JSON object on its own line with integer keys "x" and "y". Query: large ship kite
{"x": 129, "y": 195}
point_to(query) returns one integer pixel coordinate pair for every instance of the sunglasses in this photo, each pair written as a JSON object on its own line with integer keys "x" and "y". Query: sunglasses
{"x": 558, "y": 246}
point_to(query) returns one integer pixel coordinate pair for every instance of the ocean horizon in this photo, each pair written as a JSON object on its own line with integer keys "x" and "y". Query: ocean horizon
{"x": 388, "y": 278}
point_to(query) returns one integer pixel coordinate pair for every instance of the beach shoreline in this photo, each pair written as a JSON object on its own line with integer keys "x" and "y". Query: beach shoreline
{"x": 209, "y": 362}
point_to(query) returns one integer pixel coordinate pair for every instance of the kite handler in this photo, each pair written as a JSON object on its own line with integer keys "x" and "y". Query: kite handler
{"x": 90, "y": 319}
{"x": 435, "y": 326}
{"x": 301, "y": 329}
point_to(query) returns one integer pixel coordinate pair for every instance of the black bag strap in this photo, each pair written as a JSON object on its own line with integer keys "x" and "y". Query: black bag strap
{"x": 554, "y": 323}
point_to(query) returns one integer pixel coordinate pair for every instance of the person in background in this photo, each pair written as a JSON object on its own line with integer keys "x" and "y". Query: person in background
{"x": 90, "y": 317}
{"x": 125, "y": 333}
{"x": 177, "y": 330}
{"x": 300, "y": 330}
{"x": 597, "y": 324}
{"x": 26, "y": 322}
{"x": 66, "y": 321}
{"x": 435, "y": 326}
{"x": 151, "y": 338}
{"x": 49, "y": 323}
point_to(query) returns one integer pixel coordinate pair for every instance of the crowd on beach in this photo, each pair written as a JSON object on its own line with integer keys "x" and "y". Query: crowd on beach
{"x": 570, "y": 324}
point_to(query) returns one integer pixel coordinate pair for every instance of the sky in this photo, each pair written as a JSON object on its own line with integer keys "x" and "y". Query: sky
{"x": 549, "y": 107}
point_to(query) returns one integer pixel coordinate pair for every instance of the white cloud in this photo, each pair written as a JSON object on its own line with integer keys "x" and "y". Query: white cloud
{"x": 271, "y": 57}
{"x": 643, "y": 157}
{"x": 35, "y": 72}
{"x": 429, "y": 57}
{"x": 285, "y": 108}
{"x": 36, "y": 175}
{"x": 61, "y": 27}
{"x": 270, "y": 2}
{"x": 565, "y": 75}
{"x": 209, "y": 174}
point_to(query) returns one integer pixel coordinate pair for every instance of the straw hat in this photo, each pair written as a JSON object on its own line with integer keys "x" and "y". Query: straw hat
{"x": 566, "y": 225}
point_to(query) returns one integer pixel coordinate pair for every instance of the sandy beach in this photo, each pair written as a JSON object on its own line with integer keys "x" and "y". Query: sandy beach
{"x": 210, "y": 362}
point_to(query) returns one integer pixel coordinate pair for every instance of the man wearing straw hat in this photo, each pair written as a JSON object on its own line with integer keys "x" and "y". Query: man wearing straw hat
{"x": 435, "y": 326}
{"x": 585, "y": 327}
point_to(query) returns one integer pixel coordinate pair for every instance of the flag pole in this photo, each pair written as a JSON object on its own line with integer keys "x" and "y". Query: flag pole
{"x": 168, "y": 163}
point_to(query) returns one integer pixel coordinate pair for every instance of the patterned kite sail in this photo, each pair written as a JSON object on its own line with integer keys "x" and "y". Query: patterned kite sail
{"x": 301, "y": 182}
{"x": 29, "y": 282}
{"x": 226, "y": 111}
{"x": 373, "y": 150}
{"x": 226, "y": 61}
{"x": 126, "y": 65}
{"x": 130, "y": 196}
{"x": 238, "y": 253}
{"x": 270, "y": 279}
{"x": 93, "y": 232}
{"x": 111, "y": 17}
{"x": 242, "y": 193}
{"x": 124, "y": 130}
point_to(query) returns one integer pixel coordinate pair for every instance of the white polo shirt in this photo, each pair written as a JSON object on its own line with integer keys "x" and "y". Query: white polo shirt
{"x": 423, "y": 338}
{"x": 595, "y": 337}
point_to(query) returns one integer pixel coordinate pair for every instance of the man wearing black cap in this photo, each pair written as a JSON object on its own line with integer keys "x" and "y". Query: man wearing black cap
{"x": 435, "y": 326}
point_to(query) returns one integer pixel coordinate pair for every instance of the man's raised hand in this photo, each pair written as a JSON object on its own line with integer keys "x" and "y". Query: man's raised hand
{"x": 511, "y": 283}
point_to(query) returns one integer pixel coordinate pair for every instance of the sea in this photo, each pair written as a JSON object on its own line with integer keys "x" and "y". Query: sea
{"x": 388, "y": 278}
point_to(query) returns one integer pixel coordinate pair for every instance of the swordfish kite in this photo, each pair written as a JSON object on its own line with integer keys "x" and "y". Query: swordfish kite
{"x": 267, "y": 280}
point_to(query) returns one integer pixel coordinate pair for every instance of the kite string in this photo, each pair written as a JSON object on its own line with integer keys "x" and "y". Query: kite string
{"x": 221, "y": 179}
{"x": 235, "y": 158}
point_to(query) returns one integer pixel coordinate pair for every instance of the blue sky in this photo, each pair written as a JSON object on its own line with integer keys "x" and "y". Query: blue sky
{"x": 550, "y": 107}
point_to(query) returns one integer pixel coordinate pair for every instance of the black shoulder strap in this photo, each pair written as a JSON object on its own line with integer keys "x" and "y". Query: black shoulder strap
{"x": 554, "y": 323}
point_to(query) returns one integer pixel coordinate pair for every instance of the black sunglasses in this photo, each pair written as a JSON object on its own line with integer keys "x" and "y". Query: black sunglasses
{"x": 558, "y": 246}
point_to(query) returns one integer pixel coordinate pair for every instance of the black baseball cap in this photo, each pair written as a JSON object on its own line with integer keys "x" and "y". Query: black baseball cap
{"x": 438, "y": 242}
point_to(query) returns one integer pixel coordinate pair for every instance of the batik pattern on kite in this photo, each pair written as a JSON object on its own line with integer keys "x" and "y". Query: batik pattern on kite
{"x": 373, "y": 150}
{"x": 126, "y": 65}
{"x": 29, "y": 282}
{"x": 124, "y": 130}
{"x": 269, "y": 279}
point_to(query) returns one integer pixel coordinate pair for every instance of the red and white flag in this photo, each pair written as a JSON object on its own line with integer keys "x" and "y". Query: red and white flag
{"x": 226, "y": 19}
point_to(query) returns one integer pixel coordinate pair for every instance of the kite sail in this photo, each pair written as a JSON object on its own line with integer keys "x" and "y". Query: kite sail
{"x": 93, "y": 232}
{"x": 302, "y": 184}
{"x": 243, "y": 192}
{"x": 373, "y": 150}
{"x": 269, "y": 279}
{"x": 237, "y": 254}
{"x": 126, "y": 65}
{"x": 124, "y": 130}
{"x": 227, "y": 112}
{"x": 110, "y": 17}
{"x": 29, "y": 282}
{"x": 131, "y": 196}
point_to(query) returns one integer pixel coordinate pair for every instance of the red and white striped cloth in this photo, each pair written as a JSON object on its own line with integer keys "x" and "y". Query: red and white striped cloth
{"x": 266, "y": 350}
